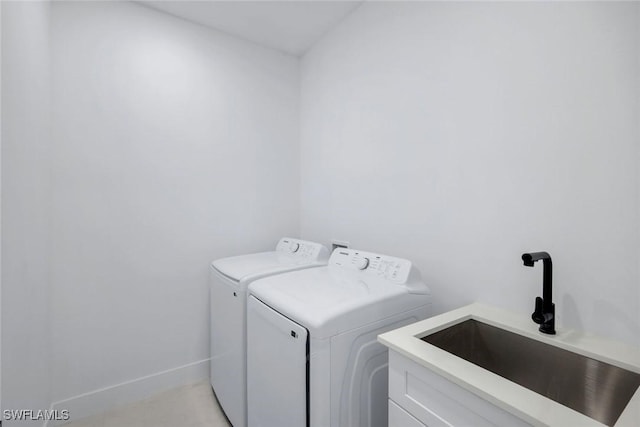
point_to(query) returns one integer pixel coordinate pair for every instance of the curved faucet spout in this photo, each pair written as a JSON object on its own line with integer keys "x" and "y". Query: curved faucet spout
{"x": 529, "y": 259}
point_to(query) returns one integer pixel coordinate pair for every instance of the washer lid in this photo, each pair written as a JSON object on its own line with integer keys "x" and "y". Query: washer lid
{"x": 330, "y": 300}
{"x": 290, "y": 254}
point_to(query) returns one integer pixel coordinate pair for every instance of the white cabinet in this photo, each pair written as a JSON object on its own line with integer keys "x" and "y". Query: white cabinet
{"x": 420, "y": 397}
{"x": 398, "y": 417}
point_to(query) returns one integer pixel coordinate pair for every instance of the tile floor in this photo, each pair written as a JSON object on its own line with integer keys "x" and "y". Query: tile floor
{"x": 189, "y": 406}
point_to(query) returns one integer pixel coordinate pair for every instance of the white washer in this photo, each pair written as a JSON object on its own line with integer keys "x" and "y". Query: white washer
{"x": 312, "y": 355}
{"x": 229, "y": 278}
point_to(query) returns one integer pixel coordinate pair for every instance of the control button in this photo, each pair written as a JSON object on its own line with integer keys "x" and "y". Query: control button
{"x": 362, "y": 263}
{"x": 293, "y": 247}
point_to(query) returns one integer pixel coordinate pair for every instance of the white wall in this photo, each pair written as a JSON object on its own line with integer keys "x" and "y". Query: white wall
{"x": 461, "y": 135}
{"x": 26, "y": 375}
{"x": 173, "y": 145}
{"x": 457, "y": 135}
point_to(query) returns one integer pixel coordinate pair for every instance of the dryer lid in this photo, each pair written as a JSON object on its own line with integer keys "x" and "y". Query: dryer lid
{"x": 339, "y": 297}
{"x": 290, "y": 254}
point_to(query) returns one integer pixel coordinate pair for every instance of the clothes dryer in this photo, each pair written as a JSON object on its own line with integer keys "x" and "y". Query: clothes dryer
{"x": 312, "y": 353}
{"x": 229, "y": 278}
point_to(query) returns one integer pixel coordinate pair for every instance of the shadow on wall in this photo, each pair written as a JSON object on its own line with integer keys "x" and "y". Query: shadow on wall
{"x": 569, "y": 311}
{"x": 613, "y": 314}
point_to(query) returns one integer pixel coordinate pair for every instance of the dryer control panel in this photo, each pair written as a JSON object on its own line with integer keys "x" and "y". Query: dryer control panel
{"x": 393, "y": 269}
{"x": 302, "y": 249}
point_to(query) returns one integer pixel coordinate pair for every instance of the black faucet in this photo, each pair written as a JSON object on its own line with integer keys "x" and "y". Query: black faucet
{"x": 545, "y": 311}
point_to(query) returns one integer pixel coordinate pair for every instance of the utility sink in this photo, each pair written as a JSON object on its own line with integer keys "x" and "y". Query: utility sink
{"x": 594, "y": 388}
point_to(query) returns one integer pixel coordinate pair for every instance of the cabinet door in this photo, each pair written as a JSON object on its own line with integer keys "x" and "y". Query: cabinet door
{"x": 276, "y": 368}
{"x": 398, "y": 417}
{"x": 438, "y": 402}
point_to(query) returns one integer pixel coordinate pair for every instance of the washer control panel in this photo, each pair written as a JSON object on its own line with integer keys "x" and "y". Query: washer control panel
{"x": 301, "y": 249}
{"x": 395, "y": 270}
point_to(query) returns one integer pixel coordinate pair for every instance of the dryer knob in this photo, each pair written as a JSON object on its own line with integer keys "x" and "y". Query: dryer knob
{"x": 362, "y": 263}
{"x": 293, "y": 247}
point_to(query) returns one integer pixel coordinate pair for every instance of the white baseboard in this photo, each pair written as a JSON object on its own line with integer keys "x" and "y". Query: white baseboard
{"x": 104, "y": 399}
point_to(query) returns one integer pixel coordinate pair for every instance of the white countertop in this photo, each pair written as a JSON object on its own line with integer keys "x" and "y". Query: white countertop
{"x": 526, "y": 404}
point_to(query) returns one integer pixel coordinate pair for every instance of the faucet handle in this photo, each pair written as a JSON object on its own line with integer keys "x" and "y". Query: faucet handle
{"x": 537, "y": 315}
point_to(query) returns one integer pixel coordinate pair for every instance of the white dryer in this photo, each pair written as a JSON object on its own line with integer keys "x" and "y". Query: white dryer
{"x": 229, "y": 278}
{"x": 312, "y": 353}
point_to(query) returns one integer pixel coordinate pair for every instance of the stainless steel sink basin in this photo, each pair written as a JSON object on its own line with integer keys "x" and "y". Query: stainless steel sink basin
{"x": 596, "y": 389}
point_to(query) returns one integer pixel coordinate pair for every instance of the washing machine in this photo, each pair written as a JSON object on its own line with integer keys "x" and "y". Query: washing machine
{"x": 313, "y": 359}
{"x": 229, "y": 278}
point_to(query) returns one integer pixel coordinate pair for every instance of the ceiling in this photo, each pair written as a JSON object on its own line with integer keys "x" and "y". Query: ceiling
{"x": 289, "y": 26}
